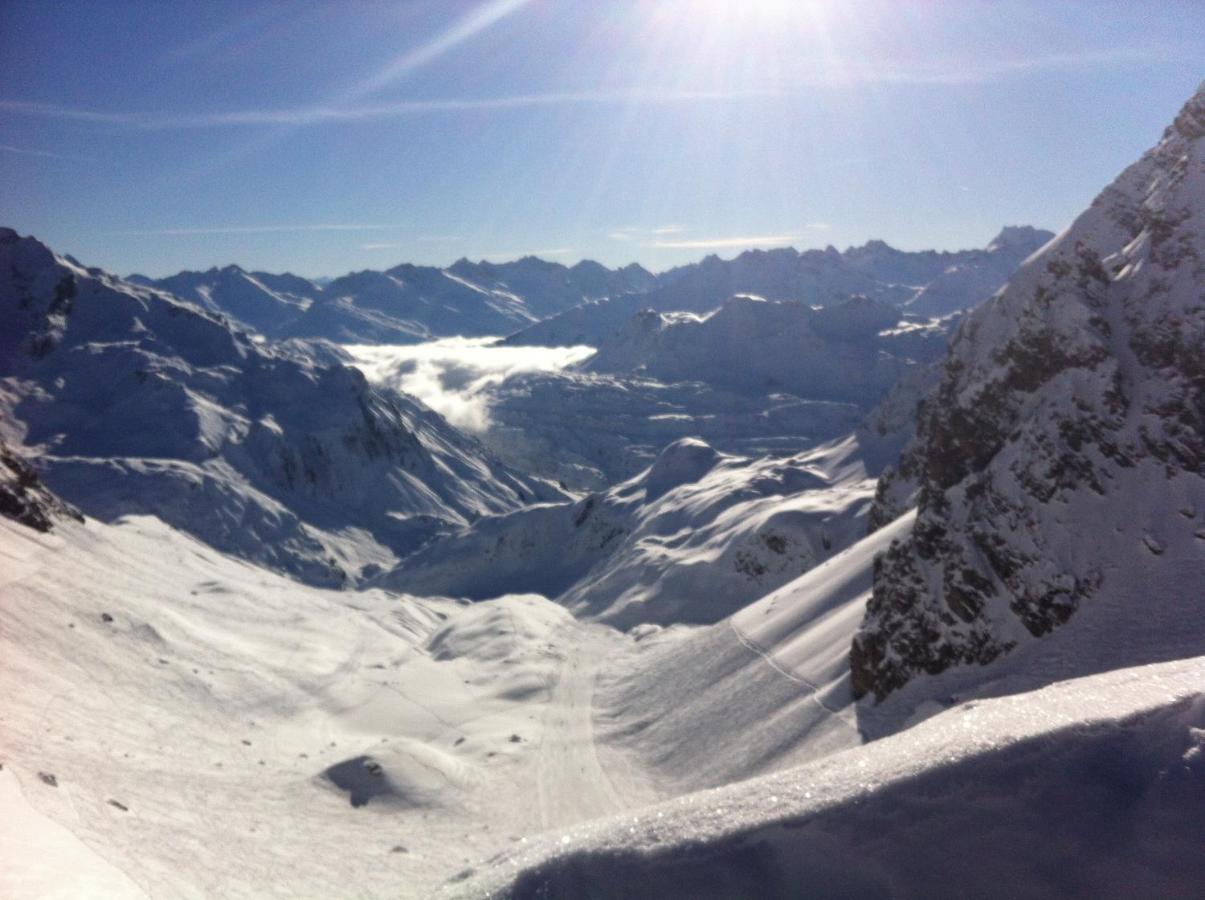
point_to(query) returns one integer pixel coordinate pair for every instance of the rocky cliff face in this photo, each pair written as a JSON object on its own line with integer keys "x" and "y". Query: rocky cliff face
{"x": 1059, "y": 462}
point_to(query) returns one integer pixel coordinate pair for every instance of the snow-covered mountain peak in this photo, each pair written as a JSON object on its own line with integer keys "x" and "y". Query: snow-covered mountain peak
{"x": 1190, "y": 123}
{"x": 1025, "y": 237}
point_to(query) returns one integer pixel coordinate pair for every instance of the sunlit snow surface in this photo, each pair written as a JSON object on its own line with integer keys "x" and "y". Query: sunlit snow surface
{"x": 1092, "y": 787}
{"x": 453, "y": 375}
{"x": 214, "y": 729}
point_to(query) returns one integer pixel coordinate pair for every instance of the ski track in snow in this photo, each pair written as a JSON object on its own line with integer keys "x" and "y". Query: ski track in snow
{"x": 813, "y": 689}
{"x": 572, "y": 782}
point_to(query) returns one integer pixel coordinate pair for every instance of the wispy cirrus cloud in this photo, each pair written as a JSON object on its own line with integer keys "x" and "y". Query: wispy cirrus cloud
{"x": 44, "y": 154}
{"x": 252, "y": 229}
{"x": 463, "y": 29}
{"x": 318, "y": 115}
{"x": 632, "y": 233}
{"x": 719, "y": 243}
{"x": 808, "y": 73}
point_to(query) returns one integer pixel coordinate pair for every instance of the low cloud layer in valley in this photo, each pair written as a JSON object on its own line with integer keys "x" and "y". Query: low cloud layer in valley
{"x": 453, "y": 375}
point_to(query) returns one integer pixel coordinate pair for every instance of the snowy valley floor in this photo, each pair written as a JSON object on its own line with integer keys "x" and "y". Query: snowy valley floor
{"x": 184, "y": 707}
{"x": 180, "y": 724}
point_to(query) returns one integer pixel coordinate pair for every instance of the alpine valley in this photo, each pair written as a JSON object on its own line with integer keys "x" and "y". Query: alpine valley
{"x": 835, "y": 573}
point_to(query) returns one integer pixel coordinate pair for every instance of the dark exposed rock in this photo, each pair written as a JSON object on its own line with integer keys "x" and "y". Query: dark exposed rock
{"x": 24, "y": 498}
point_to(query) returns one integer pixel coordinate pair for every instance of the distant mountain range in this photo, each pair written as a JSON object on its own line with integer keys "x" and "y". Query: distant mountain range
{"x": 549, "y": 303}
{"x": 925, "y": 284}
{"x": 405, "y": 304}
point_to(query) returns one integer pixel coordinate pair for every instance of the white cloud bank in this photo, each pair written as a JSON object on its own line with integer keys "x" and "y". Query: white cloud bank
{"x": 454, "y": 376}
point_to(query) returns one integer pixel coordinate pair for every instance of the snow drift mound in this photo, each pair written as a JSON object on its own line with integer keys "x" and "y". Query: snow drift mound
{"x": 1058, "y": 466}
{"x": 682, "y": 462}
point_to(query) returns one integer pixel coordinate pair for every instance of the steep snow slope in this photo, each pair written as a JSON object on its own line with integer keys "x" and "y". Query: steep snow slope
{"x": 177, "y": 723}
{"x": 1059, "y": 464}
{"x": 590, "y": 323}
{"x": 764, "y": 689}
{"x": 132, "y": 401}
{"x": 691, "y": 539}
{"x": 1091, "y": 788}
{"x": 264, "y": 302}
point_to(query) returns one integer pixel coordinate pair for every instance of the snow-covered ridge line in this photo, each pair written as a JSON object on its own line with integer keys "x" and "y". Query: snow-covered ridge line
{"x": 693, "y": 538}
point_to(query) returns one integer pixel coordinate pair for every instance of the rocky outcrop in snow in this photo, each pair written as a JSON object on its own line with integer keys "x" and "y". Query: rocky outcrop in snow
{"x": 1058, "y": 466}
{"x": 23, "y": 496}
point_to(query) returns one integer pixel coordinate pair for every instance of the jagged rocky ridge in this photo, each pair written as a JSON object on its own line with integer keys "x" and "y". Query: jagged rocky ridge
{"x": 259, "y": 300}
{"x": 133, "y": 401}
{"x": 587, "y": 301}
{"x": 1059, "y": 462}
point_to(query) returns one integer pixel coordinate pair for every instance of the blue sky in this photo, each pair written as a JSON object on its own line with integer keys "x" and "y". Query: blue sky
{"x": 326, "y": 137}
